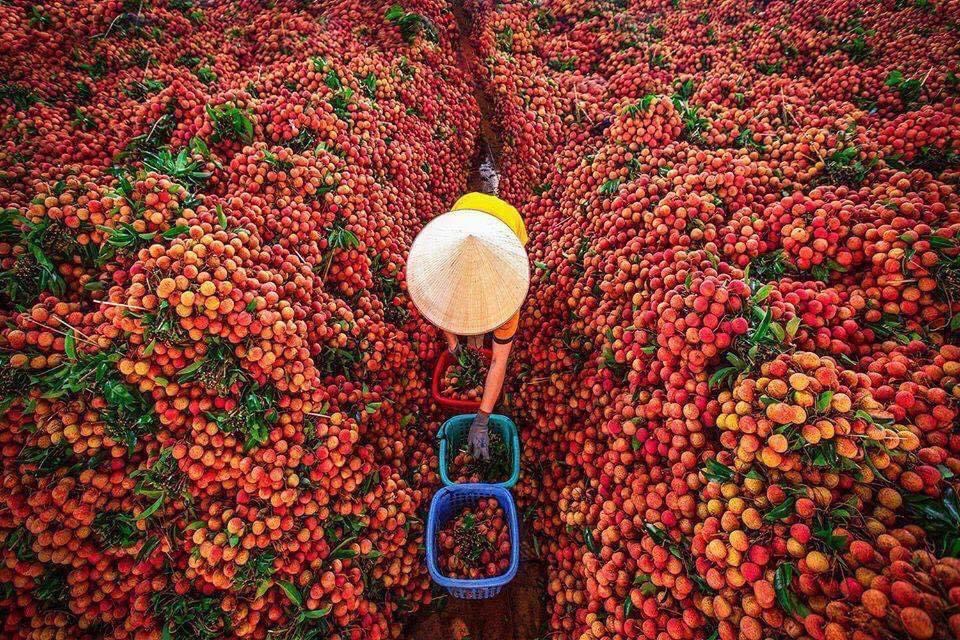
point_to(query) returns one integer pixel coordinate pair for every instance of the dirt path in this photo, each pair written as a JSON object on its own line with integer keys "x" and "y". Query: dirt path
{"x": 488, "y": 144}
{"x": 518, "y": 612}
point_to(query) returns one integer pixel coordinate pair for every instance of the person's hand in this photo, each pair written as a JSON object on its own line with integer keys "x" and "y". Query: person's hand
{"x": 478, "y": 440}
{"x": 453, "y": 343}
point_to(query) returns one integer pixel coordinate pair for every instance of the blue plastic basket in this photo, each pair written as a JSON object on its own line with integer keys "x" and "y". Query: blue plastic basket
{"x": 447, "y": 503}
{"x": 453, "y": 433}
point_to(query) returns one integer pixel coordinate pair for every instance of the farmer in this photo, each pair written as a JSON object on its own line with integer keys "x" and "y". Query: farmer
{"x": 467, "y": 273}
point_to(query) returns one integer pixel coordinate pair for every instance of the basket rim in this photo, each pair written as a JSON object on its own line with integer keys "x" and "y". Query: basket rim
{"x": 481, "y": 491}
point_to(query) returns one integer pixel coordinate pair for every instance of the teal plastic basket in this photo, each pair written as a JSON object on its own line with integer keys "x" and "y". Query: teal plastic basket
{"x": 453, "y": 434}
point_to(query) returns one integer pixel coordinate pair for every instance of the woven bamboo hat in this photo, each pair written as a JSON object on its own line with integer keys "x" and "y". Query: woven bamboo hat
{"x": 467, "y": 272}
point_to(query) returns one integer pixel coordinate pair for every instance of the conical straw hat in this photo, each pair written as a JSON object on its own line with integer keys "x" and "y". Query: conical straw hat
{"x": 467, "y": 272}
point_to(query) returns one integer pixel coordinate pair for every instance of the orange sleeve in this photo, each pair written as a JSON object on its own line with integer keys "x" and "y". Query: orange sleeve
{"x": 505, "y": 332}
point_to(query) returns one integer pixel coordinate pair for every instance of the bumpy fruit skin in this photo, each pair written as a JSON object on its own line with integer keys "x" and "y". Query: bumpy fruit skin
{"x": 214, "y": 409}
{"x": 738, "y": 339}
{"x": 737, "y": 373}
{"x": 475, "y": 543}
{"x": 916, "y": 623}
{"x": 463, "y": 380}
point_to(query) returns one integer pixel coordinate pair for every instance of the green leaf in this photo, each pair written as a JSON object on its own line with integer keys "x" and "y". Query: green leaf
{"x": 148, "y": 350}
{"x": 369, "y": 83}
{"x": 718, "y": 472}
{"x": 262, "y": 588}
{"x": 836, "y": 266}
{"x": 823, "y": 400}
{"x": 720, "y": 375}
{"x": 221, "y": 217}
{"x": 394, "y": 13}
{"x": 152, "y": 543}
{"x": 610, "y": 187}
{"x": 292, "y": 592}
{"x": 341, "y": 551}
{"x": 198, "y": 145}
{"x": 173, "y": 232}
{"x": 659, "y": 535}
{"x": 793, "y": 325}
{"x": 781, "y": 584}
{"x": 939, "y": 242}
{"x": 736, "y": 361}
{"x": 777, "y": 330}
{"x": 314, "y": 614}
{"x": 780, "y": 511}
{"x": 70, "y": 345}
{"x": 588, "y": 539}
{"x": 763, "y": 293}
{"x": 762, "y": 328}
{"x": 149, "y": 511}
{"x": 190, "y": 368}
{"x": 939, "y": 517}
{"x": 894, "y": 78}
{"x": 196, "y": 524}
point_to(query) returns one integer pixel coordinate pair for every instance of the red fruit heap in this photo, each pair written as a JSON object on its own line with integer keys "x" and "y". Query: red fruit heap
{"x": 475, "y": 543}
{"x": 210, "y": 366}
{"x": 739, "y": 363}
{"x": 463, "y": 380}
{"x": 740, "y": 339}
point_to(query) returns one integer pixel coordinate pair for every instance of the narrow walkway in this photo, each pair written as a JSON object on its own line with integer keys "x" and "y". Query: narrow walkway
{"x": 518, "y": 612}
{"x": 488, "y": 144}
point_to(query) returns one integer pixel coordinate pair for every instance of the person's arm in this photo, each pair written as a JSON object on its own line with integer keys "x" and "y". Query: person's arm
{"x": 495, "y": 376}
{"x": 479, "y": 436}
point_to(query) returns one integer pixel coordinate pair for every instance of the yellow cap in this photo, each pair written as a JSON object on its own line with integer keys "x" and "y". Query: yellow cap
{"x": 496, "y": 207}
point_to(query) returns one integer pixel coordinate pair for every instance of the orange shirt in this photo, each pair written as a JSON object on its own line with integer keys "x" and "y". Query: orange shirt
{"x": 505, "y": 332}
